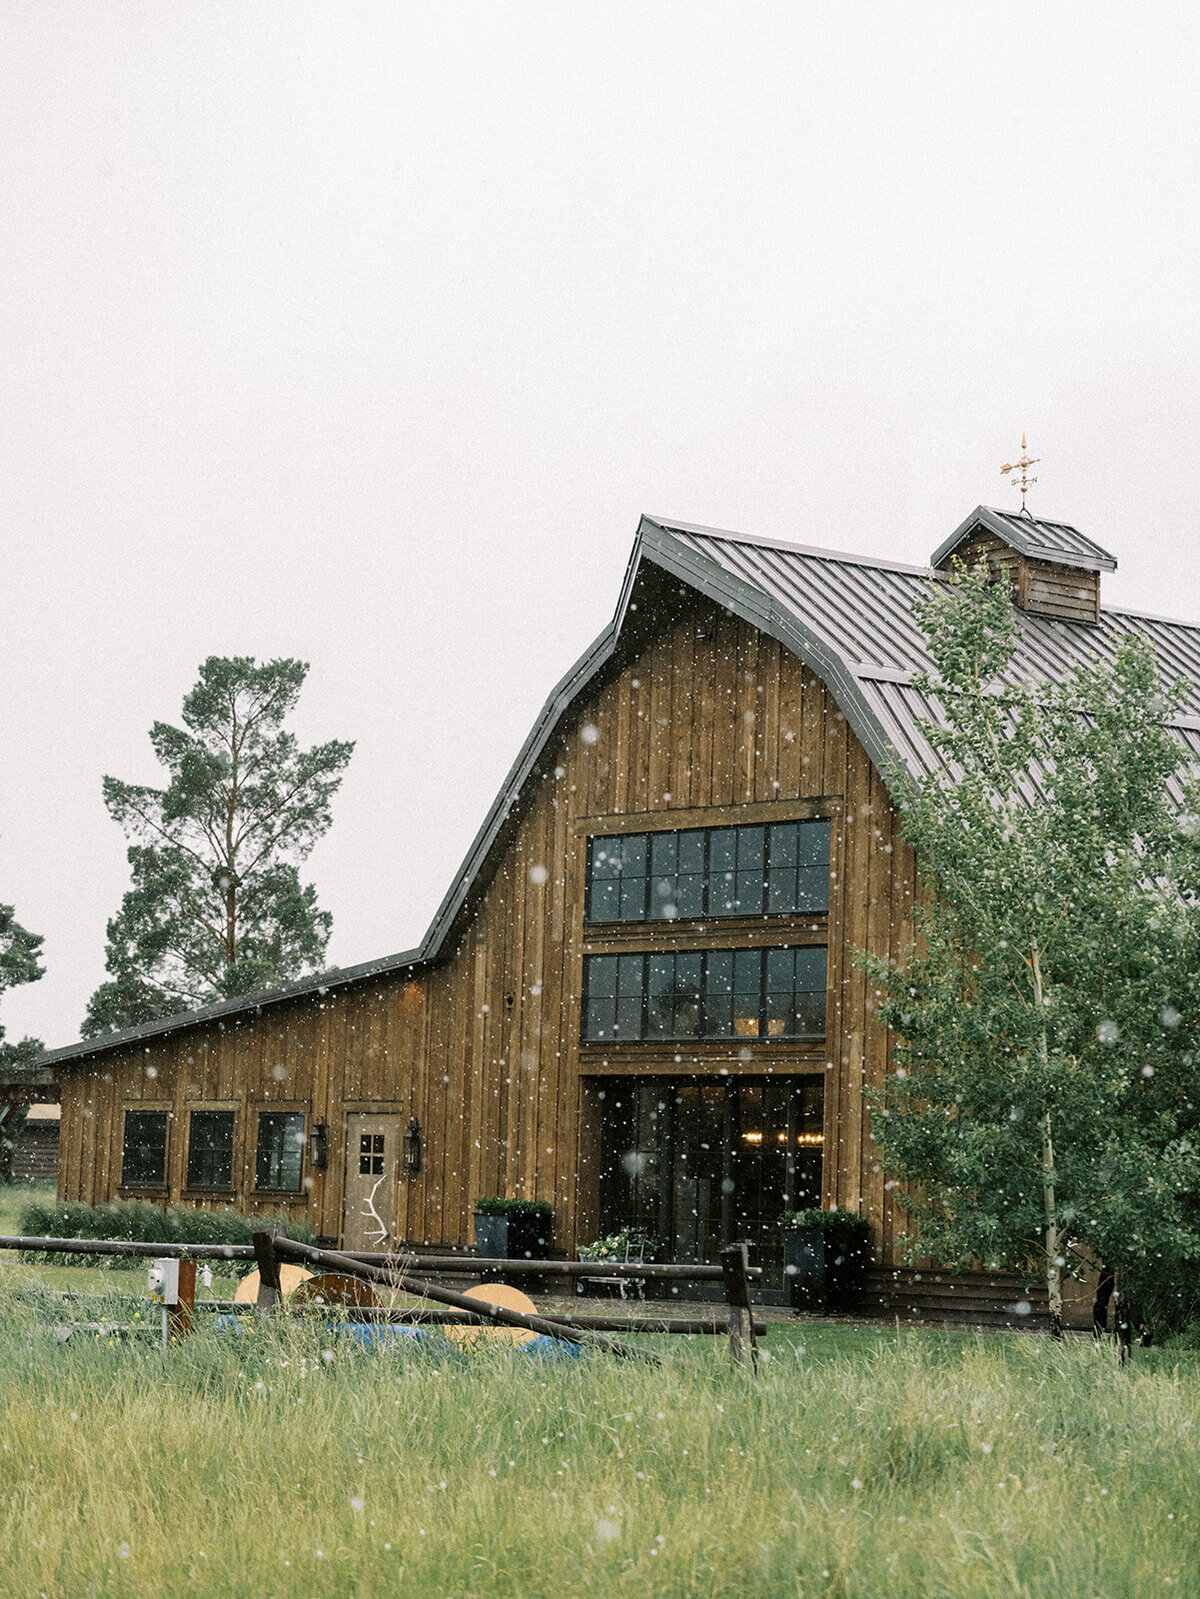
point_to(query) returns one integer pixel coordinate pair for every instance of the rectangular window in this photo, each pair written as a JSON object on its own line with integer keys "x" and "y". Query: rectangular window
{"x": 144, "y": 1154}
{"x": 778, "y": 869}
{"x": 210, "y": 1149}
{"x": 280, "y": 1159}
{"x": 719, "y": 993}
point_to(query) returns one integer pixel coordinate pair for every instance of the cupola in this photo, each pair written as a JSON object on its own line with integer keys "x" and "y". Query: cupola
{"x": 1054, "y": 570}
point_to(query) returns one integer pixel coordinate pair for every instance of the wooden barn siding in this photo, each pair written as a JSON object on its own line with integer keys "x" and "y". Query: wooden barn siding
{"x": 484, "y": 1048}
{"x": 1067, "y": 592}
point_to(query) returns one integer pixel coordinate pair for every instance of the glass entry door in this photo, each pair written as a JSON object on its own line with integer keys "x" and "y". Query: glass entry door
{"x": 699, "y": 1164}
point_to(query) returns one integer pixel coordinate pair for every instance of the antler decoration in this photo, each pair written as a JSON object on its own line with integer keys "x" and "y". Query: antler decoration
{"x": 1024, "y": 482}
{"x": 369, "y": 1211}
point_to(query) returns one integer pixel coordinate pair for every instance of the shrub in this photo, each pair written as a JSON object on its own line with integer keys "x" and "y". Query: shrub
{"x": 496, "y": 1205}
{"x": 137, "y": 1221}
{"x": 826, "y": 1219}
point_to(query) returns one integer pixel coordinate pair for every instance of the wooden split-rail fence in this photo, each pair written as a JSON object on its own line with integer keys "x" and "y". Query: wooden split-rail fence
{"x": 271, "y": 1249}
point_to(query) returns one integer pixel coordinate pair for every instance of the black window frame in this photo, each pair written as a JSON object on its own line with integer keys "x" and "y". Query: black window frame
{"x": 145, "y": 1113}
{"x": 747, "y": 973}
{"x": 756, "y": 872}
{"x": 262, "y": 1155}
{"x": 194, "y": 1180}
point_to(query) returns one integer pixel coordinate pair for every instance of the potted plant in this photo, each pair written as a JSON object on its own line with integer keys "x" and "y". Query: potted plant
{"x": 512, "y": 1229}
{"x": 627, "y": 1246}
{"x": 825, "y": 1255}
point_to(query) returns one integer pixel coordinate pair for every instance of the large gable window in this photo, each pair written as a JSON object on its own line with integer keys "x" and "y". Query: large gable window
{"x": 771, "y": 869}
{"x": 144, "y": 1152}
{"x": 718, "y": 993}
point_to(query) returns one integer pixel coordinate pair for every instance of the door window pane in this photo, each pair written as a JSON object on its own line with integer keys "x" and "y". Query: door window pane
{"x": 210, "y": 1149}
{"x": 144, "y": 1156}
{"x": 280, "y": 1156}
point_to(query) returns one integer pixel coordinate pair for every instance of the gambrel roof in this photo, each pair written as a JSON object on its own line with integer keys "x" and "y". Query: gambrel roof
{"x": 848, "y": 618}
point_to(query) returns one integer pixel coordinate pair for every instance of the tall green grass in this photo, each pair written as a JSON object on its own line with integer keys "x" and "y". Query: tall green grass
{"x": 284, "y": 1461}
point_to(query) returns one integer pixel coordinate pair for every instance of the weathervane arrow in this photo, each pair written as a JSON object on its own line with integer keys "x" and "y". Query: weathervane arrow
{"x": 1024, "y": 482}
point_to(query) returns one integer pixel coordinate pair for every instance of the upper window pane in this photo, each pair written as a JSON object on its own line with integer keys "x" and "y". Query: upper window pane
{"x": 280, "y": 1159}
{"x": 144, "y": 1156}
{"x": 779, "y": 869}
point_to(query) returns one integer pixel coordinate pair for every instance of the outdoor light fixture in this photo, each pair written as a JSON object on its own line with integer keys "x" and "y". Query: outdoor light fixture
{"x": 318, "y": 1145}
{"x": 412, "y": 1146}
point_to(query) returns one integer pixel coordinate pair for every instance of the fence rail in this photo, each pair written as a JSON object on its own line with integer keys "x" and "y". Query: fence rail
{"x": 270, "y": 1248}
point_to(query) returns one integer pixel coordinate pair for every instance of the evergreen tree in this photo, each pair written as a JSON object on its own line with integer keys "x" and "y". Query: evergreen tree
{"x": 217, "y": 908}
{"x": 20, "y": 962}
{"x": 1043, "y": 1105}
{"x": 20, "y": 953}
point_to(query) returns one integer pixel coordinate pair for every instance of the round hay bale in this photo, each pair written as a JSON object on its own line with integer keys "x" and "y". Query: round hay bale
{"x": 290, "y": 1278}
{"x": 508, "y": 1298}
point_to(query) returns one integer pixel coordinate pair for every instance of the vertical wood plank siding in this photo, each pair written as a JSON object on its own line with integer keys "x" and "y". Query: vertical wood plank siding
{"x": 483, "y": 1048}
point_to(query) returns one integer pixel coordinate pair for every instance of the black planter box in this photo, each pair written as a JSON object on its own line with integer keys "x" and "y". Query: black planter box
{"x": 512, "y": 1237}
{"x": 824, "y": 1267}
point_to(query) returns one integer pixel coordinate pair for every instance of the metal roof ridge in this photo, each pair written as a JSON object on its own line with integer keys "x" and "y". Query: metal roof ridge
{"x": 846, "y": 557}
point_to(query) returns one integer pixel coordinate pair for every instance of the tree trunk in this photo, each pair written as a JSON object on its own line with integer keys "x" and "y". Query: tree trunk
{"x": 1053, "y": 1271}
{"x": 1049, "y": 1208}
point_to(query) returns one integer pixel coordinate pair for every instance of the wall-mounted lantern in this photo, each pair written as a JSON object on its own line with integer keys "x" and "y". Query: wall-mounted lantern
{"x": 318, "y": 1146}
{"x": 412, "y": 1147}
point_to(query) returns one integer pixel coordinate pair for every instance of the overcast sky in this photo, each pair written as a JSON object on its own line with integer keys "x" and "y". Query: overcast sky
{"x": 364, "y": 332}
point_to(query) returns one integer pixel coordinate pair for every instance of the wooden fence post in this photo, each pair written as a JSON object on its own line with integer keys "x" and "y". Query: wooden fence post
{"x": 734, "y": 1263}
{"x": 270, "y": 1289}
{"x": 181, "y": 1317}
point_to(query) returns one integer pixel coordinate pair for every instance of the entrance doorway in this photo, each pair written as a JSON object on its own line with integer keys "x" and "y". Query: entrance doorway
{"x": 372, "y": 1145}
{"x": 699, "y": 1164}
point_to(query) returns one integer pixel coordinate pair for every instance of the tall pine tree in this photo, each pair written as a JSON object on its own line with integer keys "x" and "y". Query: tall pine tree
{"x": 20, "y": 962}
{"x": 217, "y": 908}
{"x": 1043, "y": 1106}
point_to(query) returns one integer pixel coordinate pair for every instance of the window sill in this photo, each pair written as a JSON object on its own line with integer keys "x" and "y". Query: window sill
{"x": 713, "y": 932}
{"x": 209, "y": 1193}
{"x": 279, "y": 1193}
{"x": 148, "y": 1191}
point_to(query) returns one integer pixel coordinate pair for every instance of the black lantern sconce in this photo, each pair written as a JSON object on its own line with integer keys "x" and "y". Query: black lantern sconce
{"x": 412, "y": 1147}
{"x": 318, "y": 1146}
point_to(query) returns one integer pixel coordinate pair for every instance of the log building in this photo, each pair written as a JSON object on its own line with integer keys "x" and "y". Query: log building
{"x": 639, "y": 999}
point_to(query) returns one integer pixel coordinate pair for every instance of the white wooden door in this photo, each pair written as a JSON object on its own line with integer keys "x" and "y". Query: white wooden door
{"x": 372, "y": 1172}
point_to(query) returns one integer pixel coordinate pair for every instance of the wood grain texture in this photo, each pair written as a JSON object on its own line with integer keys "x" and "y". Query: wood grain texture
{"x": 701, "y": 721}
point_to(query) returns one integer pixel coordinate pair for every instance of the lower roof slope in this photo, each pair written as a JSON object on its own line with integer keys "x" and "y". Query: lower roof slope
{"x": 848, "y": 618}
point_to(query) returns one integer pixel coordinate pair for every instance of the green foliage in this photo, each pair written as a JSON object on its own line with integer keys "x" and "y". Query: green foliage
{"x": 1044, "y": 1101}
{"x": 20, "y": 962}
{"x": 138, "y": 1221}
{"x": 497, "y": 1205}
{"x": 615, "y": 1246}
{"x": 826, "y": 1220}
{"x": 217, "y": 909}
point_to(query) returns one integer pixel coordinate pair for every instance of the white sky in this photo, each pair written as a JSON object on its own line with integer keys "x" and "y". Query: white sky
{"x": 363, "y": 332}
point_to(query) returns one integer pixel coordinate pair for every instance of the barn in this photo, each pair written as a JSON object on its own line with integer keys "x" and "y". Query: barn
{"x": 638, "y": 1000}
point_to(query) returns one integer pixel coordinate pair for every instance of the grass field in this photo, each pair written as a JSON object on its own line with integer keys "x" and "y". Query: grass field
{"x": 286, "y": 1462}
